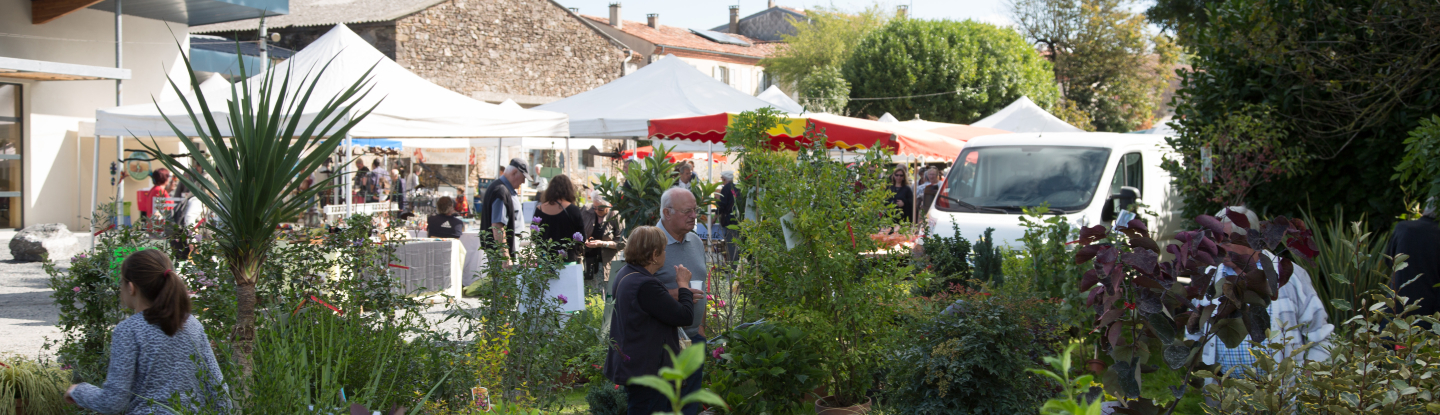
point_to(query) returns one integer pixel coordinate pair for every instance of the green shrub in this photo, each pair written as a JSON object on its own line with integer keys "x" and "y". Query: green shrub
{"x": 1419, "y": 171}
{"x": 989, "y": 259}
{"x": 767, "y": 368}
{"x": 972, "y": 358}
{"x": 314, "y": 357}
{"x": 606, "y": 399}
{"x": 1349, "y": 262}
{"x": 948, "y": 258}
{"x": 635, "y": 194}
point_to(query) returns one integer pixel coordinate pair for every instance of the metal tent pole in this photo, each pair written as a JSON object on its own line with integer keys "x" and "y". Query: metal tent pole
{"x": 94, "y": 188}
{"x": 119, "y": 139}
{"x": 349, "y": 179}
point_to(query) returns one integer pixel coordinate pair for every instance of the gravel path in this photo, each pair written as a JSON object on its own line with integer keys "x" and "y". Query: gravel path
{"x": 27, "y": 314}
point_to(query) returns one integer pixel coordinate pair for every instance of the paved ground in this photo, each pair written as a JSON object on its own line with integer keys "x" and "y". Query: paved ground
{"x": 27, "y": 315}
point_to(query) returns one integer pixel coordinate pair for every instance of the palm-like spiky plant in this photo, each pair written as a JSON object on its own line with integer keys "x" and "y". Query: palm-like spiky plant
{"x": 249, "y": 183}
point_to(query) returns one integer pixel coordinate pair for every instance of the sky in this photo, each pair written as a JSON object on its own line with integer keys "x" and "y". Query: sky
{"x": 705, "y": 14}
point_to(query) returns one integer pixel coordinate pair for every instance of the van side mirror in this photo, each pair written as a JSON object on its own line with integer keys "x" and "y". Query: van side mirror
{"x": 1119, "y": 201}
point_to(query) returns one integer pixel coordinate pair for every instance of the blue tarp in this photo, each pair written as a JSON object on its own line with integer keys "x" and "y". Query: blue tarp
{"x": 378, "y": 142}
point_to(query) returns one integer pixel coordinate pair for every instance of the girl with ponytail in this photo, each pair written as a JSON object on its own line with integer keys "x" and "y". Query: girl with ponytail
{"x": 156, "y": 353}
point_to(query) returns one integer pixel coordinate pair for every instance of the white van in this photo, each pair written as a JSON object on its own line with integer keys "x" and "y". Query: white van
{"x": 1087, "y": 177}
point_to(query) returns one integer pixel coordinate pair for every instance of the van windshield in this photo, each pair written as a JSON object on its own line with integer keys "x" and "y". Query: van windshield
{"x": 1005, "y": 179}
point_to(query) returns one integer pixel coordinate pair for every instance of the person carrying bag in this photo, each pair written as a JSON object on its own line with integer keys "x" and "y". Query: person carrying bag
{"x": 646, "y": 320}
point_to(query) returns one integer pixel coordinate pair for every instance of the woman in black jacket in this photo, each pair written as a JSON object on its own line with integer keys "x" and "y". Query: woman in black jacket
{"x": 646, "y": 319}
{"x": 904, "y": 198}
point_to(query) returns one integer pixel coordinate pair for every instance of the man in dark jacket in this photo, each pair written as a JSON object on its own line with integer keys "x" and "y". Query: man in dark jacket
{"x": 500, "y": 210}
{"x": 603, "y": 239}
{"x": 1420, "y": 239}
{"x": 725, "y": 207}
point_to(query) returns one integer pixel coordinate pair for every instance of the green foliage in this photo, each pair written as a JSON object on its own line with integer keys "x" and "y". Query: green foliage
{"x": 948, "y": 257}
{"x": 1075, "y": 390}
{"x": 1387, "y": 366}
{"x": 988, "y": 259}
{"x": 41, "y": 387}
{"x": 824, "y": 283}
{"x": 979, "y": 68}
{"x": 1049, "y": 267}
{"x": 767, "y": 368}
{"x": 606, "y": 399}
{"x": 87, "y": 296}
{"x": 515, "y": 297}
{"x": 1110, "y": 67}
{"x": 635, "y": 194}
{"x": 825, "y": 90}
{"x": 307, "y": 358}
{"x": 1420, "y": 169}
{"x": 1246, "y": 149}
{"x": 671, "y": 378}
{"x": 972, "y": 358}
{"x": 825, "y": 39}
{"x": 1348, "y": 77}
{"x": 1350, "y": 262}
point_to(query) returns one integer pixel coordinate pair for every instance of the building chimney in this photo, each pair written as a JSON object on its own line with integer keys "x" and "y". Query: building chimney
{"x": 615, "y": 15}
{"x": 735, "y": 19}
{"x": 902, "y": 11}
{"x": 653, "y": 20}
{"x": 771, "y": 6}
{"x": 575, "y": 10}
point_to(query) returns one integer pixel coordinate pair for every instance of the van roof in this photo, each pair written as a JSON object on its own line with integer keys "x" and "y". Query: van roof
{"x": 1082, "y": 139}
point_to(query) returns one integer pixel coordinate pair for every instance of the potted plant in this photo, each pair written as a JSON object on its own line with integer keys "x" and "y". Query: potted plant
{"x": 30, "y": 387}
{"x": 809, "y": 259}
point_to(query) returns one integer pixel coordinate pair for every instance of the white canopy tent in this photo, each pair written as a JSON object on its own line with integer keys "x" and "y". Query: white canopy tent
{"x": 667, "y": 88}
{"x": 408, "y": 105}
{"x": 1023, "y": 116}
{"x": 780, "y": 101}
{"x": 411, "y": 106}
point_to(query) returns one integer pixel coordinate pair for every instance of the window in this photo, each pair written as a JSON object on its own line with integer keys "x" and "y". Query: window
{"x": 722, "y": 74}
{"x": 1005, "y": 179}
{"x": 11, "y": 166}
{"x": 548, "y": 162}
{"x": 1129, "y": 173}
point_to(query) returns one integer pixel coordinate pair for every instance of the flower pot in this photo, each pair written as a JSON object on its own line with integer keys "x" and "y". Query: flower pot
{"x": 1095, "y": 366}
{"x": 822, "y": 407}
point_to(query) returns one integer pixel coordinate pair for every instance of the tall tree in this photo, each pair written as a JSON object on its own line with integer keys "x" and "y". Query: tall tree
{"x": 945, "y": 71}
{"x": 1350, "y": 78}
{"x": 1107, "y": 63}
{"x": 826, "y": 40}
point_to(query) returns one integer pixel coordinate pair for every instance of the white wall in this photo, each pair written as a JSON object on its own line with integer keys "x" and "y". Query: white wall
{"x": 55, "y": 109}
{"x": 746, "y": 78}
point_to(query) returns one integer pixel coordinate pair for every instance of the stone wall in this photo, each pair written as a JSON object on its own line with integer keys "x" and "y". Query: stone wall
{"x": 514, "y": 47}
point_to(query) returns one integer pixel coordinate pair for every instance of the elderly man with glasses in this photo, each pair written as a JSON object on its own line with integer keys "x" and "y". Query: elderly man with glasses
{"x": 678, "y": 211}
{"x": 603, "y": 239}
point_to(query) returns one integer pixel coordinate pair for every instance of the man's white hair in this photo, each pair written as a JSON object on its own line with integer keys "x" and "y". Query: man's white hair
{"x": 666, "y": 201}
{"x": 728, "y": 175}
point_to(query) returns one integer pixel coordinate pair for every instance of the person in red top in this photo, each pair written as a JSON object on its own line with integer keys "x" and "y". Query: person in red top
{"x": 147, "y": 206}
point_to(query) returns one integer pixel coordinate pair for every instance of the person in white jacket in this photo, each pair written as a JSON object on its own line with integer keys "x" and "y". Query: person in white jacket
{"x": 1297, "y": 317}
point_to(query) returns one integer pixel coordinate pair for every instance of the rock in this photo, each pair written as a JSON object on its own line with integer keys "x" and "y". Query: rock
{"x": 36, "y": 241}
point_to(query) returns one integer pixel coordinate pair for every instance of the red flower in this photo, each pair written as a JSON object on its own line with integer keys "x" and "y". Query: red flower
{"x": 1129, "y": 306}
{"x": 505, "y": 352}
{"x": 985, "y": 294}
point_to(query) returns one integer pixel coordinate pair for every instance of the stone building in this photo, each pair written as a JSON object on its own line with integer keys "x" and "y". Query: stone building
{"x": 528, "y": 51}
{"x": 769, "y": 25}
{"x": 729, "y": 58}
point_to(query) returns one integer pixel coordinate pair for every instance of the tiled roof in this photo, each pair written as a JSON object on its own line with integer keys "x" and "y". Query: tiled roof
{"x": 681, "y": 37}
{"x": 328, "y": 12}
{"x": 768, "y": 24}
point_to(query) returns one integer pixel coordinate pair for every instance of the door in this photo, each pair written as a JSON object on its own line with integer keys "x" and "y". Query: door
{"x": 11, "y": 166}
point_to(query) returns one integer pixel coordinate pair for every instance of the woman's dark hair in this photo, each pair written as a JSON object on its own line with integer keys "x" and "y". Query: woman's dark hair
{"x": 560, "y": 189}
{"x": 154, "y": 278}
{"x": 160, "y": 176}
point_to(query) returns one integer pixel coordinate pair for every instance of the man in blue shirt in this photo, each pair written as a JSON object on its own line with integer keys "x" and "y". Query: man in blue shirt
{"x": 678, "y": 211}
{"x": 499, "y": 209}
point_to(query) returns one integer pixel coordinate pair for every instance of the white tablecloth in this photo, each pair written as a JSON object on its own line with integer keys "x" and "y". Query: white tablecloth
{"x": 474, "y": 258}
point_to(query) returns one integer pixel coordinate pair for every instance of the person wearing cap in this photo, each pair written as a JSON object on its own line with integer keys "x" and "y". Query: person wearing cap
{"x": 603, "y": 239}
{"x": 499, "y": 210}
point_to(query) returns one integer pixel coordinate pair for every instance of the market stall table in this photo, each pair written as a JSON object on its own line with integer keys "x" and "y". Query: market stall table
{"x": 470, "y": 241}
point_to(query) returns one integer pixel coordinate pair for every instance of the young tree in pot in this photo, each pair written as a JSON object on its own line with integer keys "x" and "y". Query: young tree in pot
{"x": 635, "y": 193}
{"x": 249, "y": 182}
{"x": 805, "y": 249}
{"x": 1140, "y": 306}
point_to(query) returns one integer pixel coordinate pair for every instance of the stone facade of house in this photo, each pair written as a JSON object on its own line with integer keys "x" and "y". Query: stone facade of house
{"x": 495, "y": 48}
